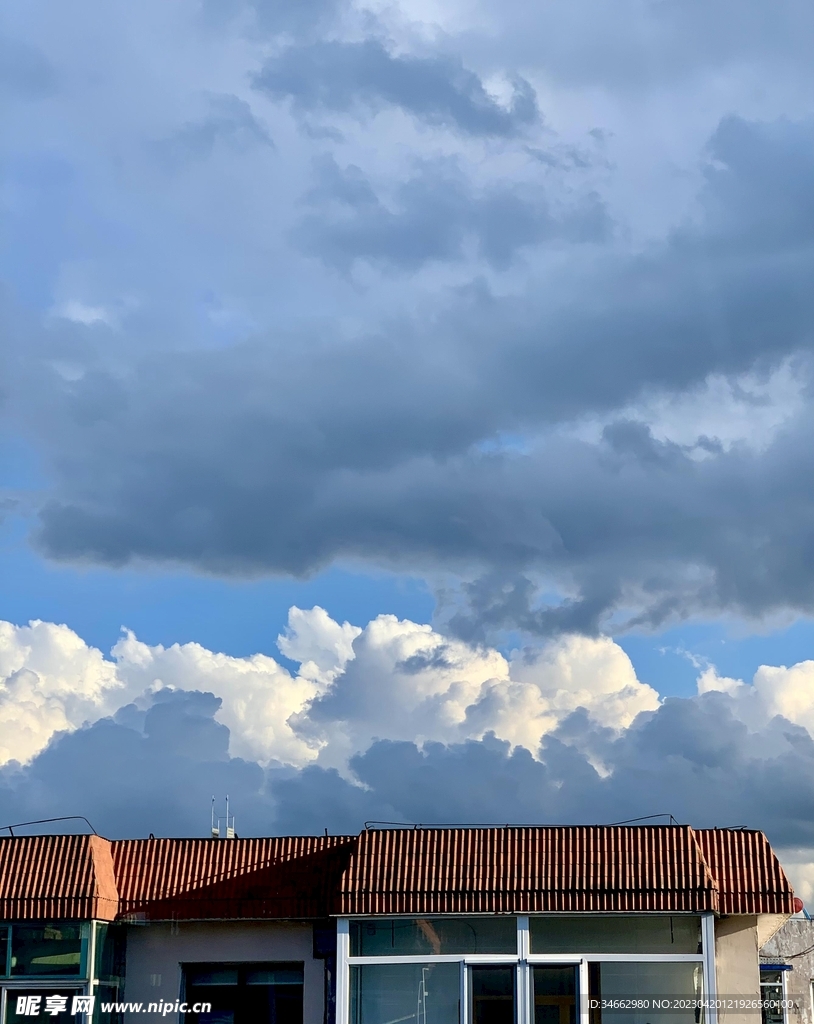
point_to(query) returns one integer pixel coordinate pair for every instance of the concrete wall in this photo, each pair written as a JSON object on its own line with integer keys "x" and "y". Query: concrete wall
{"x": 794, "y": 937}
{"x": 155, "y": 953}
{"x": 736, "y": 960}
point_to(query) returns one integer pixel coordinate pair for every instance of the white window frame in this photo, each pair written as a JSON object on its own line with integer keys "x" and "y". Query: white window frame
{"x": 783, "y": 996}
{"x": 524, "y": 960}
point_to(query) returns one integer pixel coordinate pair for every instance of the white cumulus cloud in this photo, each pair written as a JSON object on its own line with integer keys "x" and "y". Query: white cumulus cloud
{"x": 50, "y": 681}
{"x": 393, "y": 679}
{"x": 774, "y": 690}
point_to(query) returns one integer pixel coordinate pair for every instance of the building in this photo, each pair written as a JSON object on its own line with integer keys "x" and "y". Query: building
{"x": 787, "y": 970}
{"x": 531, "y": 925}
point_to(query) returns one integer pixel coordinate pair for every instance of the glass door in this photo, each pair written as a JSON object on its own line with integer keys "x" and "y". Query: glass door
{"x": 555, "y": 993}
{"x": 492, "y": 994}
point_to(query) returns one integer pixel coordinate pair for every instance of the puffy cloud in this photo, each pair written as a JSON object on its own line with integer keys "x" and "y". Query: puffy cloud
{"x": 322, "y": 646}
{"x": 150, "y": 770}
{"x": 214, "y": 396}
{"x": 258, "y": 694}
{"x": 691, "y": 757}
{"x": 408, "y": 682}
{"x": 394, "y": 679}
{"x": 398, "y": 722}
{"x": 774, "y": 690}
{"x": 50, "y": 681}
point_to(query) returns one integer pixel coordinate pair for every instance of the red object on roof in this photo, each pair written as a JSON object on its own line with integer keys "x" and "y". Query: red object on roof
{"x": 601, "y": 868}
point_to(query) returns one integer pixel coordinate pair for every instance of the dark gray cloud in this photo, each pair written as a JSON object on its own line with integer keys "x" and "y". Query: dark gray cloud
{"x": 747, "y": 157}
{"x": 435, "y": 214}
{"x": 140, "y": 772}
{"x": 692, "y": 758}
{"x": 156, "y": 771}
{"x": 282, "y": 455}
{"x": 364, "y": 77}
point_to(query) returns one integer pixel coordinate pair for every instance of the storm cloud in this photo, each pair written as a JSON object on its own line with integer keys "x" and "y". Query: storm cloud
{"x": 456, "y": 439}
{"x": 382, "y": 289}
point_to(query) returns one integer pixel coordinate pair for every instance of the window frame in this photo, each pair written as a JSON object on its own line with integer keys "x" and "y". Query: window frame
{"x": 242, "y": 967}
{"x": 524, "y": 960}
{"x": 87, "y": 941}
{"x": 7, "y": 966}
{"x": 82, "y": 984}
{"x": 782, "y": 972}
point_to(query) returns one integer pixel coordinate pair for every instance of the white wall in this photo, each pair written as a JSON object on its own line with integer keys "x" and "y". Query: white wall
{"x": 155, "y": 953}
{"x": 736, "y": 964}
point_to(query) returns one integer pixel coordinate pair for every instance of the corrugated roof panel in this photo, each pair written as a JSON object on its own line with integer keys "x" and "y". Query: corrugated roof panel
{"x": 527, "y": 869}
{"x": 203, "y": 877}
{"x": 749, "y": 874}
{"x": 396, "y": 871}
{"x": 69, "y": 877}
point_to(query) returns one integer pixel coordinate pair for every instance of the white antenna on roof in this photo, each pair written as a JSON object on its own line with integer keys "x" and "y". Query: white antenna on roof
{"x": 228, "y": 831}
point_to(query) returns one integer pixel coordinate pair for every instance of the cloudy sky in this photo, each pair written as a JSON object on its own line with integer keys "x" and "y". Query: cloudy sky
{"x": 406, "y": 413}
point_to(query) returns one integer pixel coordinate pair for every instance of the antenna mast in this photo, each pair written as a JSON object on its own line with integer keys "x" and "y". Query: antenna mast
{"x": 228, "y": 830}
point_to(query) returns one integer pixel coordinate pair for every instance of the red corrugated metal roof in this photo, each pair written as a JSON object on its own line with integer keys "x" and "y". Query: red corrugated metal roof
{"x": 749, "y": 875}
{"x": 57, "y": 877}
{"x": 287, "y": 877}
{"x": 395, "y": 871}
{"x": 526, "y": 870}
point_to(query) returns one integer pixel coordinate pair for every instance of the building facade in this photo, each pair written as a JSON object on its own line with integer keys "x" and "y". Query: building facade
{"x": 533, "y": 925}
{"x": 787, "y": 969}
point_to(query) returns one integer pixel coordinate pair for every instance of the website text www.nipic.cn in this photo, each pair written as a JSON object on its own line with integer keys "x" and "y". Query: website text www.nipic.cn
{"x": 54, "y": 1005}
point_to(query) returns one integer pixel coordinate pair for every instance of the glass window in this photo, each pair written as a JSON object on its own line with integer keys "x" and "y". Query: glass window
{"x": 424, "y": 936}
{"x": 626, "y": 982}
{"x": 106, "y": 995}
{"x": 653, "y": 933}
{"x": 771, "y": 994}
{"x": 110, "y": 953}
{"x": 256, "y": 993}
{"x": 555, "y": 994}
{"x": 4, "y": 949}
{"x": 492, "y": 995}
{"x": 402, "y": 993}
{"x": 275, "y": 976}
{"x": 48, "y": 949}
{"x": 109, "y": 963}
{"x": 212, "y": 975}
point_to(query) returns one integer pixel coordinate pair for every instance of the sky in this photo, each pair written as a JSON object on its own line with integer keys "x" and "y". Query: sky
{"x": 406, "y": 413}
